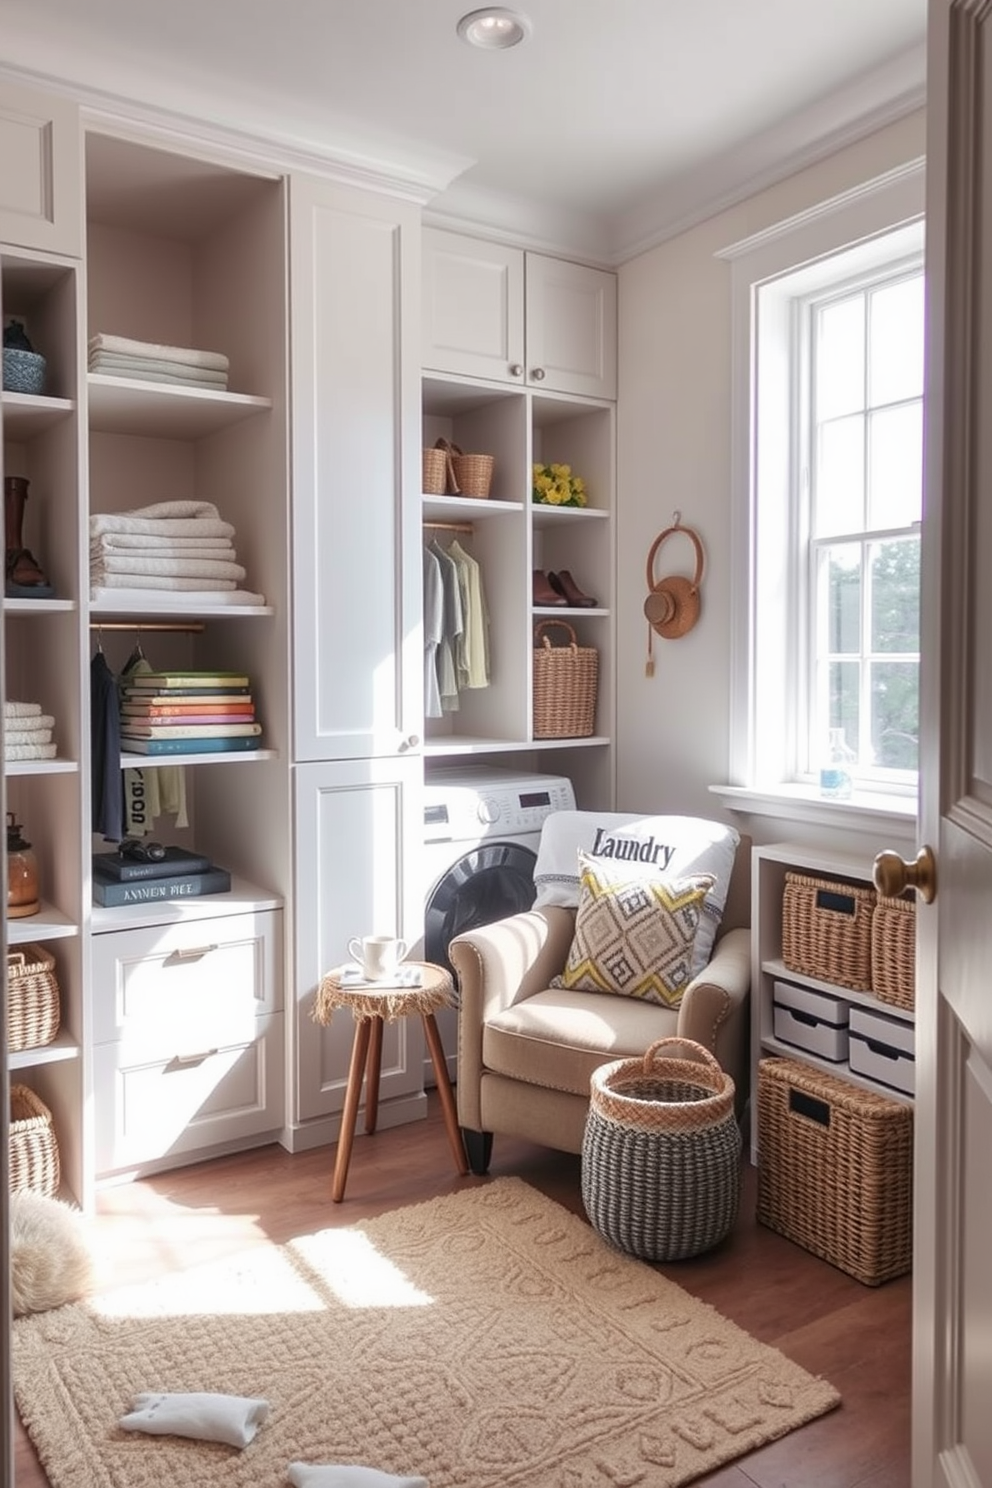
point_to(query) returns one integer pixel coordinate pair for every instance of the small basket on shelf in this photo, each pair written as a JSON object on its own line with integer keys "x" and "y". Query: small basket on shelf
{"x": 466, "y": 475}
{"x": 565, "y": 684}
{"x": 434, "y": 472}
{"x": 893, "y": 951}
{"x": 33, "y": 1008}
{"x": 826, "y": 930}
{"x": 33, "y": 1152}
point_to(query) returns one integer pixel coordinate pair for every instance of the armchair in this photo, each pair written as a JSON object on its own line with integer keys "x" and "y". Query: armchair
{"x": 527, "y": 1050}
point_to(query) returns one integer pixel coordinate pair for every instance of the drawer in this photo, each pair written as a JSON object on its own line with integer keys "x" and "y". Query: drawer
{"x": 835, "y": 1011}
{"x": 804, "y": 1031}
{"x": 883, "y": 1048}
{"x": 182, "y": 988}
{"x": 148, "y": 1111}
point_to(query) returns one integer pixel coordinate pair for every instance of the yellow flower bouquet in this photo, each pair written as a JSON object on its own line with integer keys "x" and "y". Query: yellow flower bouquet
{"x": 555, "y": 485}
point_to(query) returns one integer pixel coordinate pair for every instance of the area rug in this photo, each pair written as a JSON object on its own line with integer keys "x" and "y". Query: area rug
{"x": 486, "y": 1337}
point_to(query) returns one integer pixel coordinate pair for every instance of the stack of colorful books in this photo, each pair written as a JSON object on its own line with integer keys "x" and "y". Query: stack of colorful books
{"x": 188, "y": 713}
{"x": 122, "y": 878}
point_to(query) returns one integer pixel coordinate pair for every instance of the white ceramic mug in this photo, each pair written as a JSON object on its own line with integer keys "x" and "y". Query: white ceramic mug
{"x": 377, "y": 955}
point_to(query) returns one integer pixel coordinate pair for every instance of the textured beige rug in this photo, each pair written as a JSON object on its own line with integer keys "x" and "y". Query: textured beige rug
{"x": 487, "y": 1337}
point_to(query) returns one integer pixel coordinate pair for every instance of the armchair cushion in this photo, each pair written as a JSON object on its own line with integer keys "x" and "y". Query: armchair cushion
{"x": 669, "y": 846}
{"x": 635, "y": 932}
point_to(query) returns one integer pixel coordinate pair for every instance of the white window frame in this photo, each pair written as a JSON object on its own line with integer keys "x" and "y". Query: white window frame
{"x": 871, "y": 226}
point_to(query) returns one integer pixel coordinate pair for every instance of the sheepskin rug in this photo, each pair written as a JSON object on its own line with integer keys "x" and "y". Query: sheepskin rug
{"x": 50, "y": 1262}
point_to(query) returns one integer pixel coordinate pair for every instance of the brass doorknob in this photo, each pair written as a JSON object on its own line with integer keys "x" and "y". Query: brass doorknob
{"x": 892, "y": 875}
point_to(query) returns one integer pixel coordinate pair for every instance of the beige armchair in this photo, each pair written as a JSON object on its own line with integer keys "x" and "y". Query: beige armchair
{"x": 526, "y": 1050}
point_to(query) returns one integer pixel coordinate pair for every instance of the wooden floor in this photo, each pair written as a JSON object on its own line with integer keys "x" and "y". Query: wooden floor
{"x": 857, "y": 1337}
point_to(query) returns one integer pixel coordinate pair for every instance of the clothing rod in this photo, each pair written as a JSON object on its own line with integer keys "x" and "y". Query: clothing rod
{"x": 450, "y": 526}
{"x": 192, "y": 627}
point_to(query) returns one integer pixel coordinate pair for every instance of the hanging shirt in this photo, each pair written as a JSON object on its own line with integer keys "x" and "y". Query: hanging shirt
{"x": 433, "y": 631}
{"x": 451, "y": 629}
{"x": 149, "y": 793}
{"x": 106, "y": 790}
{"x": 472, "y": 655}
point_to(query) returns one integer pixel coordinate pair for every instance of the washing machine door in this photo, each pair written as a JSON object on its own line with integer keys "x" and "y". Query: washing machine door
{"x": 486, "y": 883}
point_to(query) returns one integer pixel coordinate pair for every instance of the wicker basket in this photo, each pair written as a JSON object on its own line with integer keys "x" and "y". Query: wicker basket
{"x": 893, "y": 951}
{"x": 826, "y": 930}
{"x": 661, "y": 1152}
{"x": 835, "y": 1169}
{"x": 33, "y": 1011}
{"x": 33, "y": 1151}
{"x": 435, "y": 472}
{"x": 565, "y": 679}
{"x": 473, "y": 473}
{"x": 23, "y": 371}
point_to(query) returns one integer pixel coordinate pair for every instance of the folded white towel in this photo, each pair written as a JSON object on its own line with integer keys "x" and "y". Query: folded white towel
{"x": 347, "y": 1475}
{"x": 124, "y": 345}
{"x": 183, "y": 598}
{"x": 21, "y": 710}
{"x": 42, "y": 734}
{"x": 29, "y": 751}
{"x": 161, "y": 581}
{"x": 148, "y": 542}
{"x": 213, "y": 382}
{"x": 173, "y": 568}
{"x": 233, "y": 1419}
{"x": 134, "y": 366}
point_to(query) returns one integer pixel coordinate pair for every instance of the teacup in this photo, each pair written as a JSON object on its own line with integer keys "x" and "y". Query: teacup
{"x": 377, "y": 955}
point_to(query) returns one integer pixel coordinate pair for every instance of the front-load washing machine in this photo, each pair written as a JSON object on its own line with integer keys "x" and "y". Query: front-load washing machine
{"x": 482, "y": 827}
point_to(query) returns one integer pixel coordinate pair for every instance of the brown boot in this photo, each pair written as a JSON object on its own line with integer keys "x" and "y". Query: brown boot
{"x": 24, "y": 579}
{"x": 543, "y": 594}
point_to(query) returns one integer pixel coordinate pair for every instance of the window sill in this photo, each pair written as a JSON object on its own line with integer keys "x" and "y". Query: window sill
{"x": 865, "y": 811}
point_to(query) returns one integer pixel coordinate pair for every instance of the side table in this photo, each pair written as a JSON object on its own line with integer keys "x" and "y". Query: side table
{"x": 371, "y": 1007}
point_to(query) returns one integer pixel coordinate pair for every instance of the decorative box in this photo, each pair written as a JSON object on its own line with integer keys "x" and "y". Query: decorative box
{"x": 811, "y": 1020}
{"x": 883, "y": 1048}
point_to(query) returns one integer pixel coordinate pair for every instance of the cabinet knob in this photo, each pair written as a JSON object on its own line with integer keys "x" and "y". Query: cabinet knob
{"x": 516, "y": 370}
{"x": 537, "y": 374}
{"x": 410, "y": 742}
{"x": 892, "y": 875}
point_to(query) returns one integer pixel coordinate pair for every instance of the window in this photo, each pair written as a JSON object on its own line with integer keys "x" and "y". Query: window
{"x": 828, "y": 449}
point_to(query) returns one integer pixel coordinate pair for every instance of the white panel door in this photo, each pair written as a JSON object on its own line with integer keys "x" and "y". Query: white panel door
{"x": 355, "y": 317}
{"x": 359, "y": 831}
{"x": 952, "y": 1357}
{"x": 41, "y": 171}
{"x": 571, "y": 327}
{"x": 473, "y": 307}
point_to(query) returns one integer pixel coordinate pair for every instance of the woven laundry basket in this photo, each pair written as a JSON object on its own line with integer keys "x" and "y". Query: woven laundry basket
{"x": 33, "y": 1009}
{"x": 893, "y": 951}
{"x": 661, "y": 1152}
{"x": 565, "y": 685}
{"x": 826, "y": 930}
{"x": 33, "y": 1152}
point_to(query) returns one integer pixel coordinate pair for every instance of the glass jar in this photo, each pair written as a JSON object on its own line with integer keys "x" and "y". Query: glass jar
{"x": 22, "y": 873}
{"x": 835, "y": 773}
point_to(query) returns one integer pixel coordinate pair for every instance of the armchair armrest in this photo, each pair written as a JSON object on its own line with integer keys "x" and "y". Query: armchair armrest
{"x": 714, "y": 1008}
{"x": 497, "y": 965}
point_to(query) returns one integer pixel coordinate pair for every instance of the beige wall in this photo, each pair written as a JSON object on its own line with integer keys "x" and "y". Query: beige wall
{"x": 674, "y": 454}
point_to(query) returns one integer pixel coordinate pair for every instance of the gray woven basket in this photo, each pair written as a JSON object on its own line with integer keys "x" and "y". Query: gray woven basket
{"x": 661, "y": 1153}
{"x": 23, "y": 371}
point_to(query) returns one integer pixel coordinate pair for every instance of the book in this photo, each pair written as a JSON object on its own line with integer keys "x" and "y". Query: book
{"x": 165, "y": 681}
{"x": 156, "y": 696}
{"x": 130, "y": 870}
{"x": 110, "y": 892}
{"x": 185, "y": 746}
{"x": 224, "y": 730}
{"x": 213, "y": 723}
{"x": 187, "y": 710}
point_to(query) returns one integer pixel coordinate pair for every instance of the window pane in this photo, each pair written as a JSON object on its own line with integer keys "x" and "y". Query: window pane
{"x": 844, "y": 600}
{"x": 895, "y": 713}
{"x": 895, "y": 359}
{"x": 844, "y": 709}
{"x": 895, "y": 596}
{"x": 839, "y": 498}
{"x": 840, "y": 353}
{"x": 896, "y": 466}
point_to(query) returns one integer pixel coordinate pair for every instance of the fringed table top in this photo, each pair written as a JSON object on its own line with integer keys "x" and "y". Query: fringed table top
{"x": 436, "y": 991}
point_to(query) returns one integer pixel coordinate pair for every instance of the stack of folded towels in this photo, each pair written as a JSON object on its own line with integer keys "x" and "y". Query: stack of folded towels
{"x": 27, "y": 732}
{"x": 174, "y": 550}
{"x": 147, "y": 361}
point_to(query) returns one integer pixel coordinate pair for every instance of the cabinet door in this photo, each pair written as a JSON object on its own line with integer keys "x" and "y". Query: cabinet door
{"x": 355, "y": 278}
{"x": 40, "y": 171}
{"x": 571, "y": 327}
{"x": 473, "y": 307}
{"x": 359, "y": 832}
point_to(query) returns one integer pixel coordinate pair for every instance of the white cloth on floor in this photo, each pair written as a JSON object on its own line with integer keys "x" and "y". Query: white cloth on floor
{"x": 126, "y": 592}
{"x": 233, "y": 1419}
{"x": 347, "y": 1475}
{"x": 125, "y": 346}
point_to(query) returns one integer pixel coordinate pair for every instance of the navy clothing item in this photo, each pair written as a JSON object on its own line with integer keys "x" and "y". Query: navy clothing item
{"x": 105, "y": 742}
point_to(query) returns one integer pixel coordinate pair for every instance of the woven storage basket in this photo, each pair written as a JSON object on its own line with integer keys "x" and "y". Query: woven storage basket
{"x": 23, "y": 371}
{"x": 565, "y": 680}
{"x": 435, "y": 472}
{"x": 661, "y": 1152}
{"x": 826, "y": 930}
{"x": 474, "y": 473}
{"x": 33, "y": 1151}
{"x": 893, "y": 951}
{"x": 33, "y": 1011}
{"x": 835, "y": 1169}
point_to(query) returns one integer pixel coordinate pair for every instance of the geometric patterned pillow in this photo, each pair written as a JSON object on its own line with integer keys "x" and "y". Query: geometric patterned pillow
{"x": 634, "y": 933}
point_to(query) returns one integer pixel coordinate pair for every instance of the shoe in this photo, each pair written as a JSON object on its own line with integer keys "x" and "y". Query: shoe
{"x": 566, "y": 586}
{"x": 544, "y": 594}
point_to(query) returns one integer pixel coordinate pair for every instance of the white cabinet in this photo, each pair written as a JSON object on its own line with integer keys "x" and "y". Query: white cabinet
{"x": 358, "y": 826}
{"x": 40, "y": 182}
{"x": 358, "y": 661}
{"x": 497, "y": 312}
{"x": 770, "y": 865}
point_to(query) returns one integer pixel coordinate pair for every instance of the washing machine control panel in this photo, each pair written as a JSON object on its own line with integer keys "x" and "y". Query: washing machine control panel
{"x": 467, "y": 807}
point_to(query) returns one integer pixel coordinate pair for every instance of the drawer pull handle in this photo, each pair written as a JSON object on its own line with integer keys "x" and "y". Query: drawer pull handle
{"x": 807, "y": 1105}
{"x": 190, "y": 953}
{"x": 183, "y": 1061}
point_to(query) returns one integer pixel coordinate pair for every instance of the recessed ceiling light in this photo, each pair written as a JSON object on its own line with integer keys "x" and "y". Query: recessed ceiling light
{"x": 493, "y": 28}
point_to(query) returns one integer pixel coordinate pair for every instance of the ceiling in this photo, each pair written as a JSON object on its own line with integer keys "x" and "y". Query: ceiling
{"x": 617, "y": 122}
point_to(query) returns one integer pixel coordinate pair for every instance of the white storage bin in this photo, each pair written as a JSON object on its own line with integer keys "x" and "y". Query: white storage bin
{"x": 811, "y": 1020}
{"x": 883, "y": 1048}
